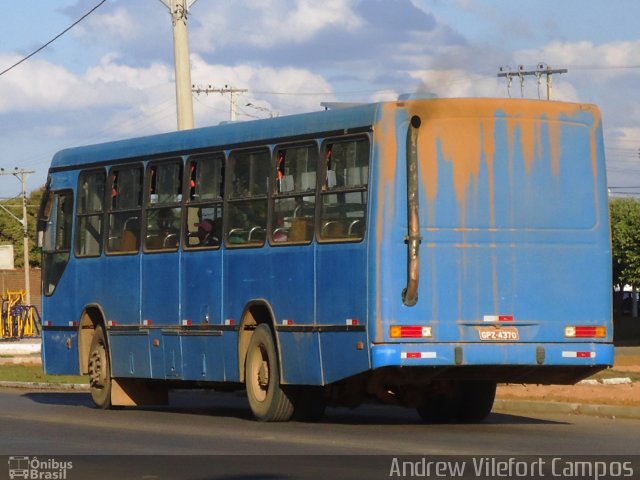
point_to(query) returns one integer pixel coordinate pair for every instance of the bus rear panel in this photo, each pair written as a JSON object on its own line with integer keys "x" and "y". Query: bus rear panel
{"x": 514, "y": 269}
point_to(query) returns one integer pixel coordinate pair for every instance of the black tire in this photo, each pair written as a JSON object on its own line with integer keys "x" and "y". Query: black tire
{"x": 268, "y": 400}
{"x": 100, "y": 370}
{"x": 438, "y": 409}
{"x": 309, "y": 403}
{"x": 476, "y": 400}
{"x": 469, "y": 401}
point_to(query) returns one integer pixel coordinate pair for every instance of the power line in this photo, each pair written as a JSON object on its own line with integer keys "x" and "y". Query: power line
{"x": 604, "y": 67}
{"x": 53, "y": 39}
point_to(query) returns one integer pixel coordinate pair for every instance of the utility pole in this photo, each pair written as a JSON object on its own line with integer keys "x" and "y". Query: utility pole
{"x": 22, "y": 176}
{"x": 540, "y": 70}
{"x": 184, "y": 103}
{"x": 227, "y": 89}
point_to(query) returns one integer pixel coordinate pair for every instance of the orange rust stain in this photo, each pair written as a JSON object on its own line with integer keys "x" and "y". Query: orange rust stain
{"x": 554, "y": 142}
{"x": 463, "y": 130}
{"x": 489, "y": 147}
{"x": 386, "y": 141}
{"x": 595, "y": 128}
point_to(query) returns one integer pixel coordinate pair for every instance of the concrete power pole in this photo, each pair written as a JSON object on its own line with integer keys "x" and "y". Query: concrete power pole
{"x": 227, "y": 89}
{"x": 542, "y": 69}
{"x": 22, "y": 176}
{"x": 184, "y": 103}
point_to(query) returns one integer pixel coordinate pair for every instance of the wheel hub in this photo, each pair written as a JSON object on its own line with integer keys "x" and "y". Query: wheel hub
{"x": 263, "y": 375}
{"x": 96, "y": 372}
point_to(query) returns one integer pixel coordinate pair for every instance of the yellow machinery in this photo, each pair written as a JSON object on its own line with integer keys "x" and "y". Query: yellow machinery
{"x": 18, "y": 320}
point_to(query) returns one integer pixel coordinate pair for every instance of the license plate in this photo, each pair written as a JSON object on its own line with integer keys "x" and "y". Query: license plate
{"x": 504, "y": 334}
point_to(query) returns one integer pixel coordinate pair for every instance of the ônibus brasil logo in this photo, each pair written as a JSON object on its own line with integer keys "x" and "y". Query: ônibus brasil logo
{"x": 36, "y": 469}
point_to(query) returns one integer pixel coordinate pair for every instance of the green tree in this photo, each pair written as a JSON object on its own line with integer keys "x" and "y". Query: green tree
{"x": 11, "y": 229}
{"x": 625, "y": 239}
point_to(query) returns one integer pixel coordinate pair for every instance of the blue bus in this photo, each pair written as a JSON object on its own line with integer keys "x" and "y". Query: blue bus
{"x": 418, "y": 251}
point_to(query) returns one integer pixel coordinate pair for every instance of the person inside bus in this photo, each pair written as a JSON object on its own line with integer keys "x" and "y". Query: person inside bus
{"x": 207, "y": 233}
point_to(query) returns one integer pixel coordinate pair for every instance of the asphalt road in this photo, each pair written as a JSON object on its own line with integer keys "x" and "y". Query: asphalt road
{"x": 58, "y": 425}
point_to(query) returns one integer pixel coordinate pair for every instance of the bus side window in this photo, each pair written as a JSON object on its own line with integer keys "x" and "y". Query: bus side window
{"x": 344, "y": 192}
{"x": 125, "y": 211}
{"x": 91, "y": 187}
{"x": 163, "y": 212}
{"x": 204, "y": 204}
{"x": 247, "y": 198}
{"x": 294, "y": 195}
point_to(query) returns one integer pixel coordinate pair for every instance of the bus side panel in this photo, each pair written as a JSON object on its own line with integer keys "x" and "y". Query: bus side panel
{"x": 122, "y": 305}
{"x": 341, "y": 287}
{"x": 300, "y": 357}
{"x": 202, "y": 287}
{"x": 130, "y": 354}
{"x": 245, "y": 279}
{"x": 161, "y": 288}
{"x": 343, "y": 354}
{"x": 203, "y": 357}
{"x": 60, "y": 351}
{"x": 320, "y": 358}
{"x": 292, "y": 284}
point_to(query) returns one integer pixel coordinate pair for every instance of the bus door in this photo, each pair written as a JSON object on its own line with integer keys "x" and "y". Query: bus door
{"x": 161, "y": 263}
{"x": 122, "y": 271}
{"x": 201, "y": 275}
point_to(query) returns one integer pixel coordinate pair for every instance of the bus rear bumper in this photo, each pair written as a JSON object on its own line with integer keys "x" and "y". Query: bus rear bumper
{"x": 495, "y": 354}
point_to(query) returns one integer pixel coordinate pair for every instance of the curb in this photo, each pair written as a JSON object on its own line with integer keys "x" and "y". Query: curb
{"x": 81, "y": 387}
{"x": 20, "y": 348}
{"x": 565, "y": 408}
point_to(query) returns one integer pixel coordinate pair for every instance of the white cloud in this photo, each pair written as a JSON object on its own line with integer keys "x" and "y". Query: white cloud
{"x": 34, "y": 84}
{"x": 118, "y": 24}
{"x": 41, "y": 85}
{"x": 283, "y": 90}
{"x": 268, "y": 23}
{"x": 457, "y": 83}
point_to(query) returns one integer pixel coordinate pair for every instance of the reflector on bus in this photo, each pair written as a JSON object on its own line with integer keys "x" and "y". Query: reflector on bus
{"x": 585, "y": 331}
{"x": 410, "y": 331}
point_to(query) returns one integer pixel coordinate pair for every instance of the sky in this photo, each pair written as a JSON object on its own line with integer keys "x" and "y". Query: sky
{"x": 112, "y": 75}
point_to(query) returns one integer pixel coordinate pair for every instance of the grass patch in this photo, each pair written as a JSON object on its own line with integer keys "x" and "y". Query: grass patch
{"x": 34, "y": 373}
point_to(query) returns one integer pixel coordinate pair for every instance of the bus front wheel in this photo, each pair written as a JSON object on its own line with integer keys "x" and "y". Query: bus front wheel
{"x": 268, "y": 401}
{"x": 100, "y": 370}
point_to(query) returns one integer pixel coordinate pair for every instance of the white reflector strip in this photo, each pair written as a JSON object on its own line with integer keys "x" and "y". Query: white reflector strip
{"x": 578, "y": 354}
{"x": 491, "y": 318}
{"x": 405, "y": 355}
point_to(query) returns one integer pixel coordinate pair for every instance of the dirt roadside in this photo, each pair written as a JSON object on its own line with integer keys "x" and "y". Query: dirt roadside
{"x": 627, "y": 363}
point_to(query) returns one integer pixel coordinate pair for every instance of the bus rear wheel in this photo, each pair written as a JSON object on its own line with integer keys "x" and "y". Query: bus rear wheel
{"x": 468, "y": 401}
{"x": 476, "y": 400}
{"x": 268, "y": 401}
{"x": 100, "y": 370}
